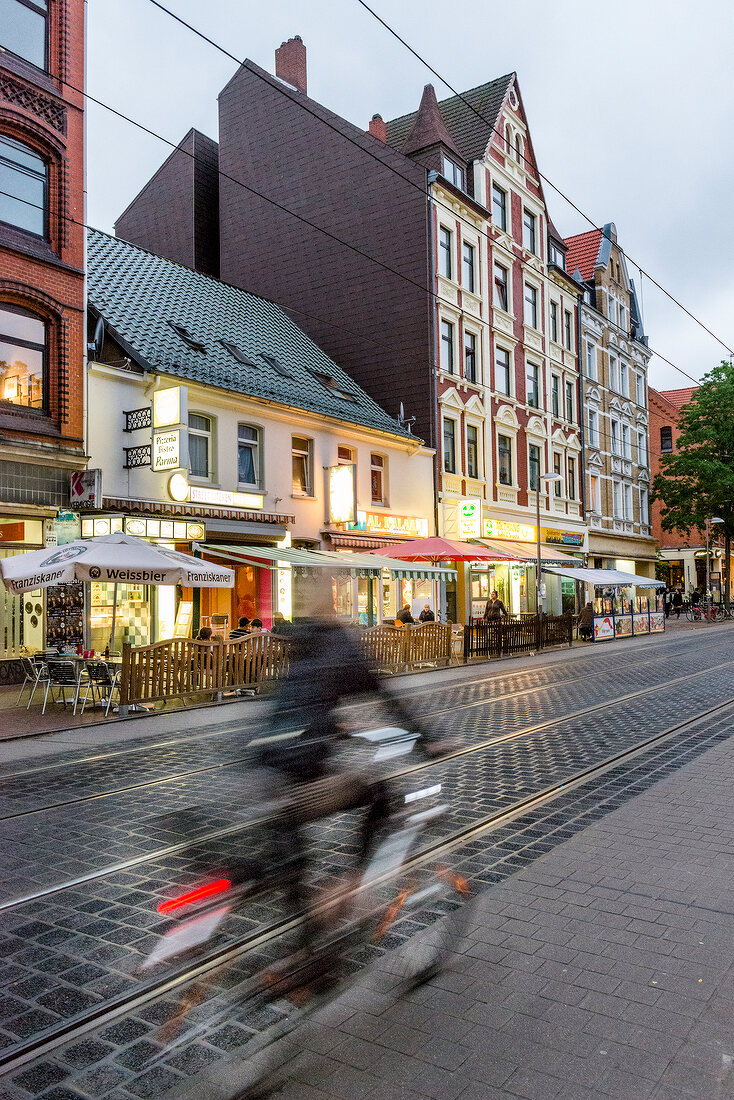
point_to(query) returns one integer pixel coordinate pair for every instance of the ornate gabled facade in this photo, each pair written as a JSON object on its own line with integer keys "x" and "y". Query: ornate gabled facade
{"x": 615, "y": 358}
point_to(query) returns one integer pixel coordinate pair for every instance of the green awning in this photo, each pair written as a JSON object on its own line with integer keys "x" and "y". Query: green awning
{"x": 358, "y": 565}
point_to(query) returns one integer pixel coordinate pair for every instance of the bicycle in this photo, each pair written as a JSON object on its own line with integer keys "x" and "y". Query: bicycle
{"x": 399, "y": 882}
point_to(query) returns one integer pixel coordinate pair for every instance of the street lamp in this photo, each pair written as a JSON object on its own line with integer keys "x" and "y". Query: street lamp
{"x": 709, "y": 519}
{"x": 547, "y": 478}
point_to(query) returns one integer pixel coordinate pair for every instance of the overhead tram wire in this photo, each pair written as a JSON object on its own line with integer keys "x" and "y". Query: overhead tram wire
{"x": 545, "y": 179}
{"x": 412, "y": 183}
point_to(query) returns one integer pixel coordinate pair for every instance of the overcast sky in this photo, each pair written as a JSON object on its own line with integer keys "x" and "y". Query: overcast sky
{"x": 629, "y": 104}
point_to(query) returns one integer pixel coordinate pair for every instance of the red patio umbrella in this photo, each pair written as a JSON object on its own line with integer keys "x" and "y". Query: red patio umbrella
{"x": 438, "y": 549}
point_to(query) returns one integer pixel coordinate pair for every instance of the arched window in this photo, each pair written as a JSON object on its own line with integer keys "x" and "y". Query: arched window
{"x": 508, "y": 139}
{"x": 23, "y": 353}
{"x": 25, "y": 28}
{"x": 518, "y": 149}
{"x": 23, "y": 187}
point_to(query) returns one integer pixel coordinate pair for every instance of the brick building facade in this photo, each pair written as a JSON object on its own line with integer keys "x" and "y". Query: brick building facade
{"x": 41, "y": 281}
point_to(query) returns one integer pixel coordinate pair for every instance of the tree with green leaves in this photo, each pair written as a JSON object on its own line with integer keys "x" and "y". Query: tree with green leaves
{"x": 696, "y": 480}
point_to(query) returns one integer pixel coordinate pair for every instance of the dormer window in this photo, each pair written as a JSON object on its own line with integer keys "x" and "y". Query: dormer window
{"x": 275, "y": 364}
{"x": 332, "y": 386}
{"x": 238, "y": 354}
{"x": 187, "y": 338}
{"x": 453, "y": 172}
{"x": 556, "y": 256}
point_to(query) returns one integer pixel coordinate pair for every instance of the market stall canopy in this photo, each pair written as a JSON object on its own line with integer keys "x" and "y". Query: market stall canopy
{"x": 437, "y": 549}
{"x": 527, "y": 552}
{"x": 114, "y": 559}
{"x": 306, "y": 560}
{"x": 608, "y": 578}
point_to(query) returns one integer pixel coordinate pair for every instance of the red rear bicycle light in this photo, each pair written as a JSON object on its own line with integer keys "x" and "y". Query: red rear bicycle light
{"x": 207, "y": 891}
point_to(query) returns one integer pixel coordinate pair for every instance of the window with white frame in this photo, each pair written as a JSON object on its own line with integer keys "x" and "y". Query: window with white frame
{"x": 555, "y": 395}
{"x": 378, "y": 478}
{"x": 518, "y": 149}
{"x": 595, "y": 494}
{"x": 644, "y": 507}
{"x": 624, "y": 379}
{"x": 472, "y": 451}
{"x": 570, "y": 403}
{"x": 593, "y": 428}
{"x": 534, "y": 467}
{"x": 567, "y": 329}
{"x": 554, "y": 321}
{"x": 501, "y": 295}
{"x": 470, "y": 357}
{"x": 453, "y": 172}
{"x": 626, "y": 448}
{"x": 531, "y": 306}
{"x": 502, "y": 378}
{"x": 248, "y": 455}
{"x": 591, "y": 360}
{"x": 445, "y": 238}
{"x": 447, "y": 347}
{"x": 302, "y": 465}
{"x": 200, "y": 446}
{"x": 499, "y": 207}
{"x": 529, "y": 230}
{"x": 504, "y": 459}
{"x": 628, "y": 505}
{"x": 449, "y": 445}
{"x": 532, "y": 386}
{"x": 622, "y": 316}
{"x": 571, "y": 479}
{"x": 640, "y": 389}
{"x": 613, "y": 373}
{"x": 557, "y": 469}
{"x": 614, "y": 426}
{"x": 617, "y": 499}
{"x": 467, "y": 266}
{"x": 612, "y": 309}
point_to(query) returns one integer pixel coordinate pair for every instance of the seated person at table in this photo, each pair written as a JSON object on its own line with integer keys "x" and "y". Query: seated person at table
{"x": 204, "y": 635}
{"x": 426, "y": 615}
{"x": 242, "y": 629}
{"x": 256, "y": 627}
{"x": 404, "y": 615}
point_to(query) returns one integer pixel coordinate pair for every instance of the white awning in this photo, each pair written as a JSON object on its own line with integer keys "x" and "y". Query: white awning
{"x": 357, "y": 564}
{"x": 608, "y": 578}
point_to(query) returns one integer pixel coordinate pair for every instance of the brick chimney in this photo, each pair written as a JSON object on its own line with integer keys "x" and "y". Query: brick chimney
{"x": 290, "y": 62}
{"x": 378, "y": 128}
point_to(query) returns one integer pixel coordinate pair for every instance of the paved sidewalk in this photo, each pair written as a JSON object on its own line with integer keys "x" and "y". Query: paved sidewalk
{"x": 604, "y": 970}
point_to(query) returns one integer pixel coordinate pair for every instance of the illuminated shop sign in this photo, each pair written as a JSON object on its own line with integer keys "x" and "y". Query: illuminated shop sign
{"x": 169, "y": 407}
{"x": 199, "y": 495}
{"x": 380, "y": 523}
{"x": 168, "y": 451}
{"x": 469, "y": 519}
{"x": 525, "y": 532}
{"x": 342, "y": 493}
{"x": 177, "y": 530}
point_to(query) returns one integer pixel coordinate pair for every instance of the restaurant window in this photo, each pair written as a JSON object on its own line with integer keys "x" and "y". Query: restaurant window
{"x": 23, "y": 341}
{"x": 467, "y": 272}
{"x": 501, "y": 298}
{"x": 555, "y": 395}
{"x": 554, "y": 321}
{"x": 447, "y": 347}
{"x": 23, "y": 186}
{"x": 378, "y": 478}
{"x": 23, "y": 29}
{"x": 570, "y": 403}
{"x": 533, "y": 386}
{"x": 449, "y": 445}
{"x": 444, "y": 252}
{"x": 502, "y": 380}
{"x": 567, "y": 332}
{"x": 200, "y": 445}
{"x": 557, "y": 485}
{"x": 534, "y": 466}
{"x": 248, "y": 455}
{"x": 571, "y": 480}
{"x": 529, "y": 222}
{"x": 499, "y": 207}
{"x": 531, "y": 306}
{"x": 504, "y": 455}
{"x": 302, "y": 465}
{"x": 666, "y": 439}
{"x": 472, "y": 451}
{"x": 470, "y": 357}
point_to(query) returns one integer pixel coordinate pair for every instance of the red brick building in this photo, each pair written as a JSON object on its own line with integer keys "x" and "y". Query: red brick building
{"x": 41, "y": 282}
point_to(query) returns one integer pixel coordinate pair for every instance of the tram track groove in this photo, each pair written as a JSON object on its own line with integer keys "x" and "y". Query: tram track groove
{"x": 75, "y": 1028}
{"x": 244, "y": 826}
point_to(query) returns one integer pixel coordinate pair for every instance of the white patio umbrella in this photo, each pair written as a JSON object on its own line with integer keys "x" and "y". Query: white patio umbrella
{"x": 115, "y": 559}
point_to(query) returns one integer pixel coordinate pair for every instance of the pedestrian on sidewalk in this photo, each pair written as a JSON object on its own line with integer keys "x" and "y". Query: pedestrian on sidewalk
{"x": 678, "y": 602}
{"x": 668, "y": 598}
{"x": 495, "y": 608}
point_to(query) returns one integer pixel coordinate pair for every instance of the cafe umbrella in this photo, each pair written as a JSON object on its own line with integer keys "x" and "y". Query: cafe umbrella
{"x": 436, "y": 549}
{"x": 112, "y": 559}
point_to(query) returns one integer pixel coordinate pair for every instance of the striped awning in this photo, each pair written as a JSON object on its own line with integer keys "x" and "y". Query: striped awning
{"x": 305, "y": 561}
{"x": 528, "y": 552}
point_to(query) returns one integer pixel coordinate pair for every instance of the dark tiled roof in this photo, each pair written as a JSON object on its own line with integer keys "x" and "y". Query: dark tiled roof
{"x": 583, "y": 250}
{"x": 142, "y": 296}
{"x": 429, "y": 127}
{"x": 471, "y": 133}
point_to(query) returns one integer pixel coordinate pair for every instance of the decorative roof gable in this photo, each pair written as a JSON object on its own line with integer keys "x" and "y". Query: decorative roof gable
{"x": 429, "y": 127}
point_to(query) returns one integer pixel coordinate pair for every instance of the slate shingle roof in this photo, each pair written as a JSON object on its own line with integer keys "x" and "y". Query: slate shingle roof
{"x": 141, "y": 296}
{"x": 471, "y": 133}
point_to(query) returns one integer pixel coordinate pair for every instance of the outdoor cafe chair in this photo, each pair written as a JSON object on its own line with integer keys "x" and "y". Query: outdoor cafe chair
{"x": 63, "y": 676}
{"x": 101, "y": 681}
{"x": 33, "y": 675}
